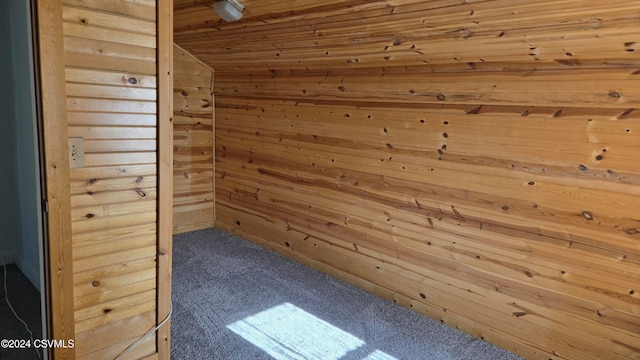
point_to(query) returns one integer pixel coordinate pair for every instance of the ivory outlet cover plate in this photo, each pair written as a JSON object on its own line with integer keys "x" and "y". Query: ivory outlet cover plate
{"x": 76, "y": 152}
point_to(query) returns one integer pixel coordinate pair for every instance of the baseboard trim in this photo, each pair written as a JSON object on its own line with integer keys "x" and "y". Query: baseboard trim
{"x": 7, "y": 258}
{"x": 32, "y": 274}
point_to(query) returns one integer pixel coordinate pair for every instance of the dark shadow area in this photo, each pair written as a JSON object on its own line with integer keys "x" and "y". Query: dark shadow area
{"x": 25, "y": 300}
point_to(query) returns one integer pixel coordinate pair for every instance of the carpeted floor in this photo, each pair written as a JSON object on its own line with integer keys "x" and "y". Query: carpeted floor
{"x": 25, "y": 299}
{"x": 235, "y": 300}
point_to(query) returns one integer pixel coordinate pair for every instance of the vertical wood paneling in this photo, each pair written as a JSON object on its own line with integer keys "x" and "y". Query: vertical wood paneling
{"x": 474, "y": 161}
{"x": 165, "y": 171}
{"x": 193, "y": 190}
{"x": 56, "y": 162}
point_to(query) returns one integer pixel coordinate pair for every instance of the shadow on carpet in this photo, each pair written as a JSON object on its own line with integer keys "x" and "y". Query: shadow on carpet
{"x": 235, "y": 300}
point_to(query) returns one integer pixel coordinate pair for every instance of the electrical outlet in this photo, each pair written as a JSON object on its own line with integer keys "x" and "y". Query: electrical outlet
{"x": 76, "y": 152}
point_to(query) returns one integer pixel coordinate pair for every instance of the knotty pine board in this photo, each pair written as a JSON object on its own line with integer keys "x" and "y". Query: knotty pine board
{"x": 490, "y": 224}
{"x": 473, "y": 161}
{"x": 111, "y": 92}
{"x": 193, "y": 158}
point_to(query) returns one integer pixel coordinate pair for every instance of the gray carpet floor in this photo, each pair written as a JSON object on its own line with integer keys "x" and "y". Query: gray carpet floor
{"x": 235, "y": 300}
{"x": 25, "y": 299}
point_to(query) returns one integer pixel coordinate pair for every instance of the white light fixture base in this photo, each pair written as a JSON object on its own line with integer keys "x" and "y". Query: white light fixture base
{"x": 229, "y": 10}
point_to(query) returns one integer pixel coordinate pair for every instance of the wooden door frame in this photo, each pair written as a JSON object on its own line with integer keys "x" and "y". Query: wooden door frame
{"x": 53, "y": 109}
{"x": 165, "y": 171}
{"x": 57, "y": 195}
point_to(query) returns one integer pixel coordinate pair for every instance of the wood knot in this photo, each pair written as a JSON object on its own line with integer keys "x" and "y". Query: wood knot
{"x": 133, "y": 81}
{"x": 587, "y": 215}
{"x": 89, "y": 216}
{"x": 95, "y": 283}
{"x": 614, "y": 95}
{"x": 624, "y": 114}
{"x": 474, "y": 111}
{"x": 558, "y": 113}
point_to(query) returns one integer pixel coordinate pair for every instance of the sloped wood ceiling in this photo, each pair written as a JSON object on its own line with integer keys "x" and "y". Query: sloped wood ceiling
{"x": 321, "y": 35}
{"x": 473, "y": 160}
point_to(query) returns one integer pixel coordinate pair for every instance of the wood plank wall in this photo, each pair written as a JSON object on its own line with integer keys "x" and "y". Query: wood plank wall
{"x": 193, "y": 191}
{"x": 111, "y": 88}
{"x": 472, "y": 160}
{"x": 52, "y": 111}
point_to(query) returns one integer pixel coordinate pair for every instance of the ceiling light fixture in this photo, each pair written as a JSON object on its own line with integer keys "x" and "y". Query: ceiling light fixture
{"x": 230, "y": 10}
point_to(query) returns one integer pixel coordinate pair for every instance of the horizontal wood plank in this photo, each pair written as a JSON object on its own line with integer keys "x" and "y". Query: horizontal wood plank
{"x": 472, "y": 160}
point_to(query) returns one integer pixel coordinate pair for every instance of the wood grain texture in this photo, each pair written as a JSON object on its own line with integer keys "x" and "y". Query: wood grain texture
{"x": 58, "y": 237}
{"x": 471, "y": 160}
{"x": 112, "y": 101}
{"x": 193, "y": 145}
{"x": 164, "y": 26}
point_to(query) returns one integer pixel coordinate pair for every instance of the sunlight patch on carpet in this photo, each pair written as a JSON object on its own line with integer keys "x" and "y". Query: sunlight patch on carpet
{"x": 287, "y": 332}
